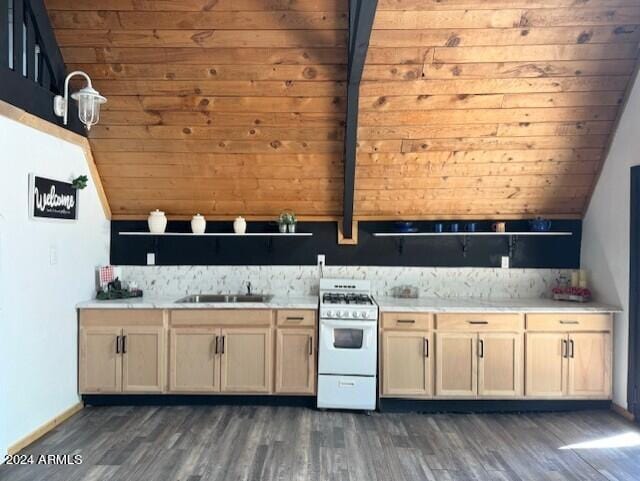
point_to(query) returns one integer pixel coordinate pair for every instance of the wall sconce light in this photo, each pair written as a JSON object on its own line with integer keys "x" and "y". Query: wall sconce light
{"x": 89, "y": 101}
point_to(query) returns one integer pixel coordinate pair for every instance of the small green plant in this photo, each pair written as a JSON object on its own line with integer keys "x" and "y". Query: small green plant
{"x": 287, "y": 218}
{"x": 80, "y": 182}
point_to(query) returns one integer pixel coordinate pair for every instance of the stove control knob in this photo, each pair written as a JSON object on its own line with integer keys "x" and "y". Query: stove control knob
{"x": 344, "y": 314}
{"x": 363, "y": 315}
{"x": 328, "y": 313}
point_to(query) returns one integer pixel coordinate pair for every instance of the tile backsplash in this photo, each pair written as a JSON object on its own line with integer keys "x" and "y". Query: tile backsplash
{"x": 488, "y": 283}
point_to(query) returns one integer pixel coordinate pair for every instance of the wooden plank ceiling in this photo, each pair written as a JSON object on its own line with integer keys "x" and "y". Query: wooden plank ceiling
{"x": 469, "y": 108}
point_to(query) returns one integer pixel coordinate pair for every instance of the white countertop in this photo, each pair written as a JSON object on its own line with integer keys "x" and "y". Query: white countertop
{"x": 392, "y": 304}
{"x": 387, "y": 304}
{"x": 278, "y": 302}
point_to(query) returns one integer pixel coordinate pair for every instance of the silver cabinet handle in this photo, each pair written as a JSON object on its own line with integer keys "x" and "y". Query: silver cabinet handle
{"x": 406, "y": 321}
{"x": 564, "y": 348}
{"x": 481, "y": 348}
{"x": 117, "y": 344}
{"x": 426, "y": 347}
{"x": 215, "y": 349}
{"x": 124, "y": 344}
{"x": 298, "y": 319}
{"x": 478, "y": 322}
{"x": 571, "y": 348}
{"x": 222, "y": 344}
{"x": 311, "y": 345}
{"x": 569, "y": 322}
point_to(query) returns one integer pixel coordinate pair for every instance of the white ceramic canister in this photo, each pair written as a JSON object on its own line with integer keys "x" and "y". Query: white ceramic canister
{"x": 198, "y": 224}
{"x": 157, "y": 222}
{"x": 239, "y": 225}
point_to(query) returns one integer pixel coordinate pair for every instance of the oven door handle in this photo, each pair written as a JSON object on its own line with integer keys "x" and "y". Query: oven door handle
{"x": 364, "y": 325}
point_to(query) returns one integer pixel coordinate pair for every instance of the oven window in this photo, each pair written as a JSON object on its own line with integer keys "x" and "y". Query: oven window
{"x": 347, "y": 338}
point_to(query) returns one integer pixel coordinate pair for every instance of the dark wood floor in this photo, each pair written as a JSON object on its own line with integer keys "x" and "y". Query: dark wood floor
{"x": 198, "y": 443}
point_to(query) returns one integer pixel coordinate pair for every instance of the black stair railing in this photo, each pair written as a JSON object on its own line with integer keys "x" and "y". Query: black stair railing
{"x": 31, "y": 66}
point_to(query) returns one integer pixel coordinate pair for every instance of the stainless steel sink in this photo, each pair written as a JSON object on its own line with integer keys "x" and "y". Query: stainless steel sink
{"x": 224, "y": 298}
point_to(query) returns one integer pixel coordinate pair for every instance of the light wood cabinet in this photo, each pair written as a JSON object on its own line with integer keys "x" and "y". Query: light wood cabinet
{"x": 295, "y": 361}
{"x": 100, "y": 364}
{"x": 456, "y": 364}
{"x": 194, "y": 360}
{"x": 129, "y": 360}
{"x": 408, "y": 365}
{"x": 143, "y": 358}
{"x": 500, "y": 369}
{"x": 546, "y": 367}
{"x": 589, "y": 372}
{"x": 574, "y": 365}
{"x": 589, "y": 364}
{"x": 245, "y": 360}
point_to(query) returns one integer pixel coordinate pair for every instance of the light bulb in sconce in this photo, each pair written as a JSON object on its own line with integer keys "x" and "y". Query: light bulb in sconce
{"x": 89, "y": 101}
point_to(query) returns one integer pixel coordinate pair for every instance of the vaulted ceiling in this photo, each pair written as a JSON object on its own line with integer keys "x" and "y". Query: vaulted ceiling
{"x": 468, "y": 108}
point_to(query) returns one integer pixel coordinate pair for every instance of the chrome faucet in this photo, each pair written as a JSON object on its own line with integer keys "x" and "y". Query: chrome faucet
{"x": 248, "y": 288}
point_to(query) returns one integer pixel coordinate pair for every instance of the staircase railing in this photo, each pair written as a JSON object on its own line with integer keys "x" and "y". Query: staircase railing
{"x": 31, "y": 66}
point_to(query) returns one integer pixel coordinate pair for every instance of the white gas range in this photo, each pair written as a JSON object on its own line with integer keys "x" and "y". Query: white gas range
{"x": 348, "y": 345}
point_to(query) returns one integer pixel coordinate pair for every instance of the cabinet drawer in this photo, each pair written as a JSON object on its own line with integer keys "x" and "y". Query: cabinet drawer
{"x": 407, "y": 320}
{"x": 121, "y": 317}
{"x": 296, "y": 317}
{"x": 221, "y": 317}
{"x": 480, "y": 322}
{"x": 569, "y": 322}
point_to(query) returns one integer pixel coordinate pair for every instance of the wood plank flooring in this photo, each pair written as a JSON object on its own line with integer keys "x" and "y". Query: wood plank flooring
{"x": 202, "y": 443}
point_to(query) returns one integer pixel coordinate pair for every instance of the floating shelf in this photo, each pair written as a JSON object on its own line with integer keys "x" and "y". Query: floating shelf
{"x": 220, "y": 234}
{"x": 464, "y": 237}
{"x": 467, "y": 234}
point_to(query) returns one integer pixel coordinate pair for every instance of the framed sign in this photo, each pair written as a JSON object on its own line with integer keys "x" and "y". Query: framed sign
{"x": 52, "y": 199}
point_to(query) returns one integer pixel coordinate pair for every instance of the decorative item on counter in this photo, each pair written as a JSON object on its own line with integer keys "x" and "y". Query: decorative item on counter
{"x": 455, "y": 227}
{"x": 287, "y": 222}
{"x": 115, "y": 290}
{"x": 106, "y": 274}
{"x": 470, "y": 227}
{"x": 157, "y": 222}
{"x": 575, "y": 279}
{"x": 499, "y": 227}
{"x": 575, "y": 294}
{"x": 405, "y": 292}
{"x": 438, "y": 228}
{"x": 198, "y": 224}
{"x": 80, "y": 182}
{"x": 583, "y": 279}
{"x": 405, "y": 227}
{"x": 540, "y": 224}
{"x": 240, "y": 225}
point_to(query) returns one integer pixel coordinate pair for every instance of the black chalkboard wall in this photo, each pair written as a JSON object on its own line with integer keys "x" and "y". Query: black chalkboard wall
{"x": 531, "y": 252}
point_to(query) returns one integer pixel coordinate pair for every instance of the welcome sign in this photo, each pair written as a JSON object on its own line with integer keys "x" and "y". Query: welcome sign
{"x": 52, "y": 199}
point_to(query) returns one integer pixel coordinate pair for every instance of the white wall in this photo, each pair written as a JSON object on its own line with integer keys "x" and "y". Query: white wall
{"x": 605, "y": 237}
{"x": 38, "y": 330}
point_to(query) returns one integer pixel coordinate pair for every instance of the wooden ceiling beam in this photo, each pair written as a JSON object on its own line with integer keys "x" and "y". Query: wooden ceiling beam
{"x": 361, "y": 15}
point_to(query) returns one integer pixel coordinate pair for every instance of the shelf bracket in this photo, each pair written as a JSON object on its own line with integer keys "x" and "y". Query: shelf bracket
{"x": 400, "y": 245}
{"x": 270, "y": 244}
{"x": 464, "y": 242}
{"x": 513, "y": 242}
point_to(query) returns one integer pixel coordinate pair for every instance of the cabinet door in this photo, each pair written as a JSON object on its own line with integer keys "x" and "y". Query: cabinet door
{"x": 194, "y": 360}
{"x": 456, "y": 364}
{"x": 407, "y": 363}
{"x": 295, "y": 361}
{"x": 143, "y": 361}
{"x": 100, "y": 369}
{"x": 590, "y": 365}
{"x": 546, "y": 364}
{"x": 245, "y": 360}
{"x": 500, "y": 365}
